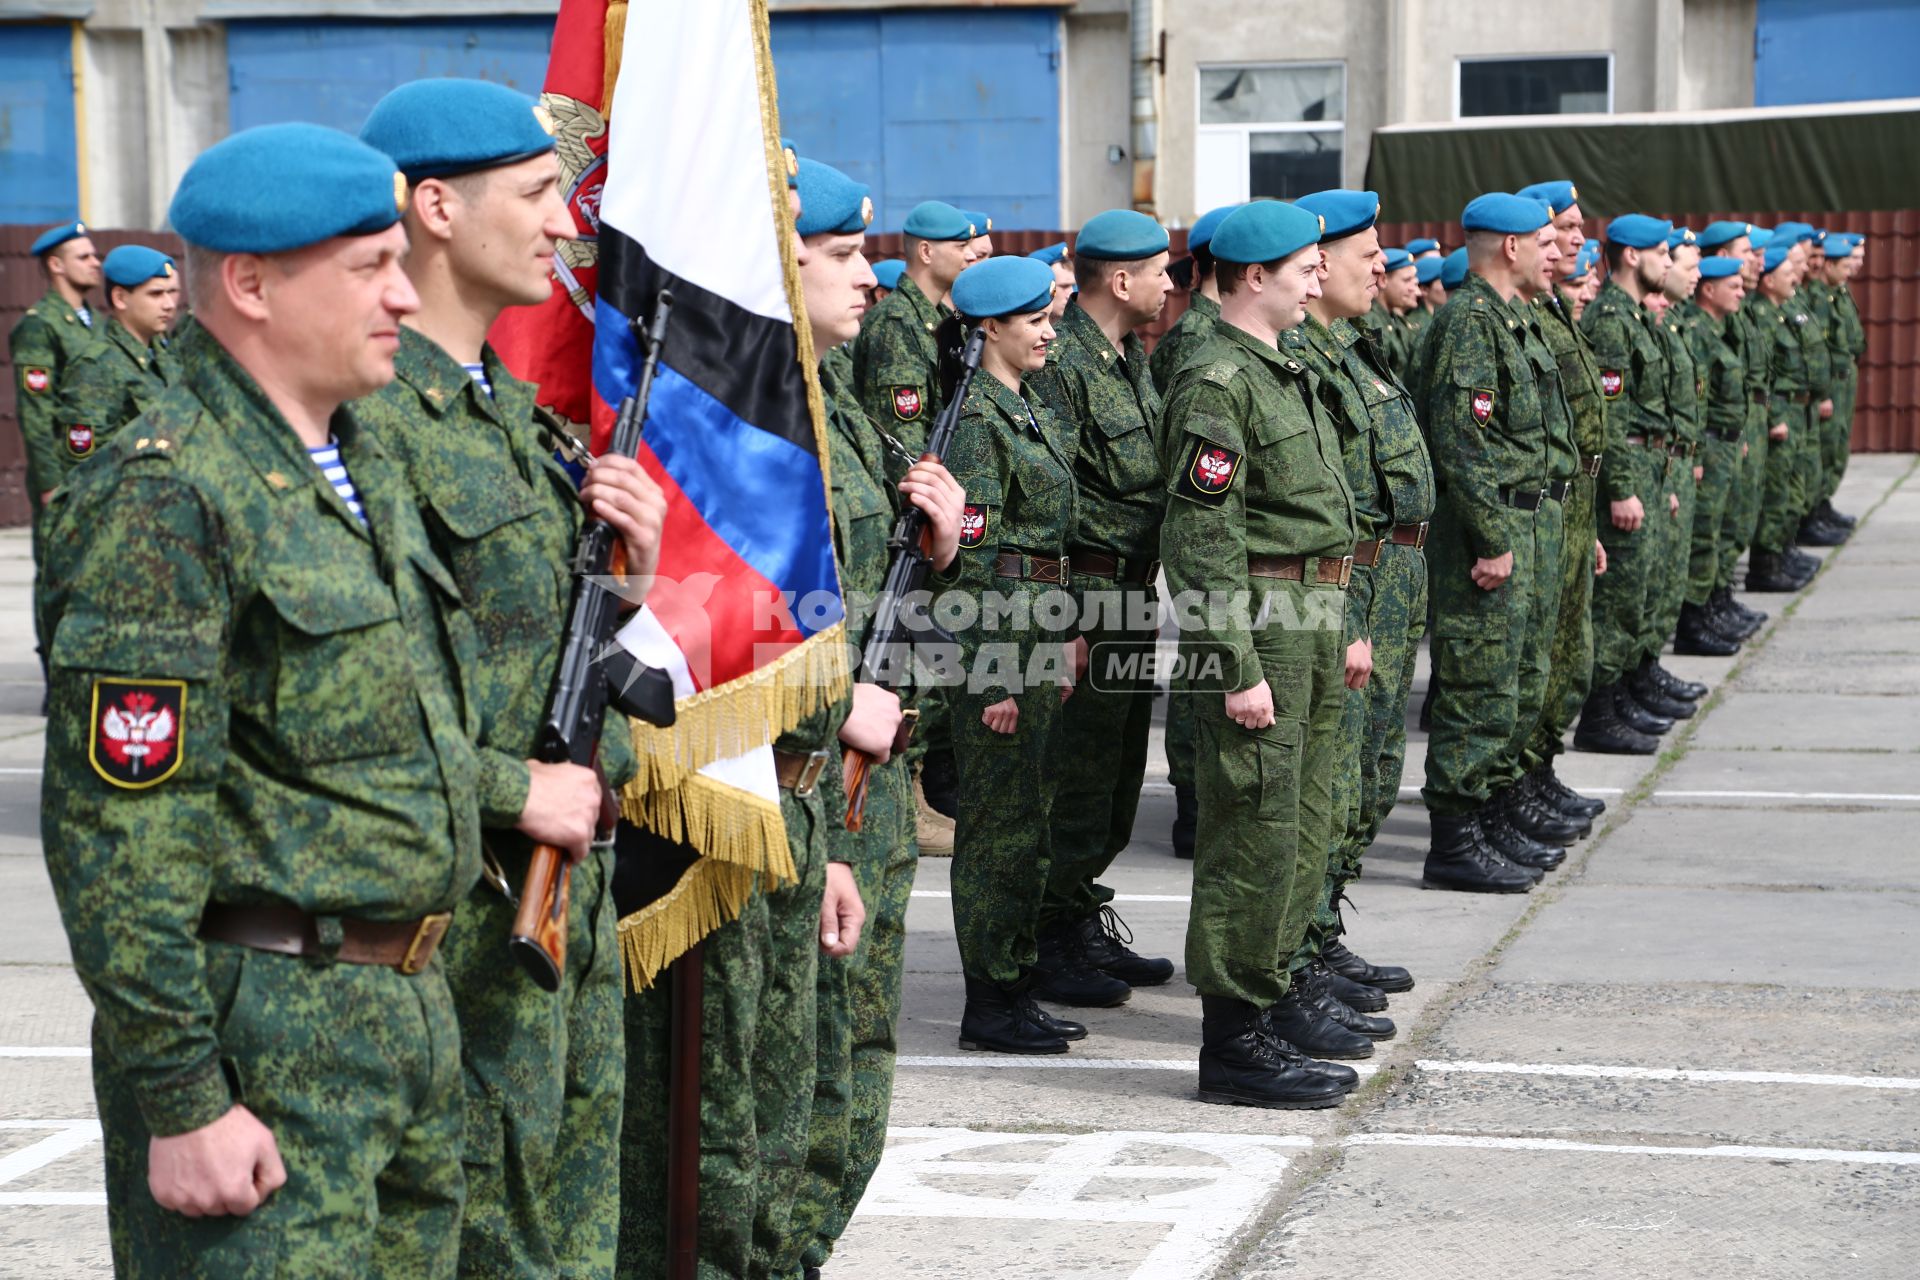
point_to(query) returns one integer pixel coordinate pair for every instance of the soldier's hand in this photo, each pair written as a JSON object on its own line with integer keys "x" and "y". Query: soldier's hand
{"x": 842, "y": 914}
{"x": 1778, "y": 431}
{"x": 1251, "y": 708}
{"x": 1826, "y": 410}
{"x": 1079, "y": 656}
{"x": 563, "y": 804}
{"x": 619, "y": 491}
{"x": 1002, "y": 717}
{"x": 1673, "y": 505}
{"x": 1359, "y": 663}
{"x": 1489, "y": 574}
{"x": 1699, "y": 473}
{"x": 1599, "y": 557}
{"x": 873, "y": 722}
{"x": 223, "y": 1169}
{"x": 1627, "y": 514}
{"x": 932, "y": 488}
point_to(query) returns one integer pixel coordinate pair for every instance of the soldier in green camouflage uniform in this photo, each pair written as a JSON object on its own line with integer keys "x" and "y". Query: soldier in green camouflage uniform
{"x": 545, "y": 1071}
{"x": 896, "y": 364}
{"x": 1686, "y": 415}
{"x": 262, "y": 789}
{"x": 1734, "y": 240}
{"x": 114, "y": 379}
{"x": 1724, "y": 409}
{"x": 1097, "y": 385}
{"x": 1804, "y": 315}
{"x": 1258, "y": 538}
{"x": 1771, "y": 564}
{"x": 1847, "y": 337}
{"x": 54, "y": 333}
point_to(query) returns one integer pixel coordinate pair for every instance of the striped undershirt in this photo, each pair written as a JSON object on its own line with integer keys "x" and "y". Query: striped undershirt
{"x": 478, "y": 372}
{"x": 85, "y": 314}
{"x": 327, "y": 458}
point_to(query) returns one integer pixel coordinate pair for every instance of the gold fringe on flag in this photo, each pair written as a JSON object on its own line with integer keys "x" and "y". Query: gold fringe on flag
{"x": 614, "y": 36}
{"x": 709, "y": 895}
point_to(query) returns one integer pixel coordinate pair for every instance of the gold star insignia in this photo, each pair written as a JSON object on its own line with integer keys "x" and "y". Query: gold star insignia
{"x": 866, "y": 211}
{"x": 1573, "y": 193}
{"x": 277, "y": 480}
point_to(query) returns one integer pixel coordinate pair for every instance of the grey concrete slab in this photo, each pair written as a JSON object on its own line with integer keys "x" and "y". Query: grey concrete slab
{"x": 34, "y": 935}
{"x": 55, "y": 1242}
{"x": 1670, "y": 934}
{"x": 1809, "y": 669}
{"x": 1787, "y": 772}
{"x": 1827, "y": 722}
{"x": 1711, "y": 847}
{"x": 1842, "y": 641}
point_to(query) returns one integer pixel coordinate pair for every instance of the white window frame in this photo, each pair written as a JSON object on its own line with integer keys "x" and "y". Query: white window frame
{"x": 1246, "y": 131}
{"x": 1462, "y": 60}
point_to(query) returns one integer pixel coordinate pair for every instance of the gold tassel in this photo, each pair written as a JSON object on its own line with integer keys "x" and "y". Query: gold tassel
{"x": 723, "y": 822}
{"x": 614, "y": 35}
{"x": 709, "y": 895}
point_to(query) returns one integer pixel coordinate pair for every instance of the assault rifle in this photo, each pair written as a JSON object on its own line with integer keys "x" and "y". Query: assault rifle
{"x": 593, "y": 672}
{"x": 901, "y": 611}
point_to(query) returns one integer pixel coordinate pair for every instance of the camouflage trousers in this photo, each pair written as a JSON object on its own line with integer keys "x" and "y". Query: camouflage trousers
{"x": 1806, "y": 466}
{"x": 1570, "y": 653}
{"x": 1780, "y": 509}
{"x": 1720, "y": 467}
{"x": 1621, "y": 594}
{"x": 1100, "y": 758}
{"x": 356, "y": 1071}
{"x": 1743, "y": 505}
{"x": 857, "y": 1023}
{"x": 1266, "y": 802}
{"x": 544, "y": 1075}
{"x": 1836, "y": 433}
{"x": 1669, "y": 586}
{"x": 1490, "y": 659}
{"x": 1180, "y": 735}
{"x": 756, "y": 1075}
{"x": 1002, "y": 839}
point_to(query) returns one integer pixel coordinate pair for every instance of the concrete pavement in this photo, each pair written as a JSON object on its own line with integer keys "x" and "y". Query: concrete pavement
{"x": 1694, "y": 1050}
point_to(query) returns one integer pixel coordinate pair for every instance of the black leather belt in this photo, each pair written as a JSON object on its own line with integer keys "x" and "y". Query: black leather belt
{"x": 1590, "y": 463}
{"x": 1559, "y": 489}
{"x": 1525, "y": 499}
{"x": 1726, "y": 434}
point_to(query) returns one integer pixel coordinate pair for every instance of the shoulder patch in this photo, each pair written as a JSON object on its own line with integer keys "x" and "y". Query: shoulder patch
{"x": 137, "y": 738}
{"x": 974, "y": 519}
{"x": 1481, "y": 406}
{"x": 37, "y": 380}
{"x": 907, "y": 404}
{"x": 1612, "y": 383}
{"x": 79, "y": 439}
{"x": 1209, "y": 473}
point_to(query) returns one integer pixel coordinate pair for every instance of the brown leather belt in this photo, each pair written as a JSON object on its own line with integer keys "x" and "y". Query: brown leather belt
{"x": 1366, "y": 555}
{"x": 1651, "y": 442}
{"x": 1799, "y": 397}
{"x": 406, "y": 945}
{"x": 1409, "y": 535}
{"x": 1681, "y": 449}
{"x": 1015, "y": 564}
{"x": 1727, "y": 435}
{"x": 1104, "y": 564}
{"x": 1328, "y": 571}
{"x": 799, "y": 771}
{"x": 1590, "y": 463}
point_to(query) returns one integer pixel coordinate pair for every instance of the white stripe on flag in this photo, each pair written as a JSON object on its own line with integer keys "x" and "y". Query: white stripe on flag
{"x": 706, "y": 143}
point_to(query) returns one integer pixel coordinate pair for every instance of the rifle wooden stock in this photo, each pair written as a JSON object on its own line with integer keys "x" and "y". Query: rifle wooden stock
{"x": 539, "y": 937}
{"x": 854, "y": 766}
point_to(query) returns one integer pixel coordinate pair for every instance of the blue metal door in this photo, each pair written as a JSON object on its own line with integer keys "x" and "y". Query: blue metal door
{"x": 333, "y": 72}
{"x": 954, "y": 105}
{"x": 39, "y": 170}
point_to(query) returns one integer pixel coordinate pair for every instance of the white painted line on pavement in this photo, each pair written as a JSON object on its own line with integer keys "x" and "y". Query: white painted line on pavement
{"x": 32, "y": 771}
{"x": 36, "y": 1051}
{"x": 991, "y": 1061}
{"x": 68, "y": 1137}
{"x": 1118, "y": 897}
{"x": 1580, "y": 1070}
{"x": 1851, "y": 797}
{"x": 1820, "y": 1155}
{"x": 12, "y": 1199}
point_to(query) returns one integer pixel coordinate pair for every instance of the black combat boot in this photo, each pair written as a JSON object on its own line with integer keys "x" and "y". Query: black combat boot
{"x": 1002, "y": 1018}
{"x": 1316, "y": 989}
{"x": 1648, "y": 692}
{"x": 1534, "y": 818}
{"x": 1065, "y": 1028}
{"x": 1345, "y": 964}
{"x": 1674, "y": 687}
{"x": 1515, "y": 845}
{"x": 1063, "y": 974}
{"x": 1602, "y": 730}
{"x": 1696, "y": 635}
{"x": 1801, "y": 565}
{"x": 1814, "y": 532}
{"x": 1552, "y": 791}
{"x": 1186, "y": 817}
{"x": 1241, "y": 1064}
{"x": 1832, "y": 516}
{"x": 1767, "y": 571}
{"x": 1103, "y": 941}
{"x": 1731, "y": 620}
{"x": 940, "y": 782}
{"x": 1357, "y": 995}
{"x": 1311, "y": 1030}
{"x": 1461, "y": 859}
{"x": 1753, "y": 619}
{"x": 1635, "y": 714}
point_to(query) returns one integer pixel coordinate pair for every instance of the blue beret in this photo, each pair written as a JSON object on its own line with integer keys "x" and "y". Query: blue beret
{"x": 1719, "y": 267}
{"x": 1120, "y": 235}
{"x": 1504, "y": 214}
{"x": 1581, "y": 265}
{"x": 888, "y": 273}
{"x": 1794, "y": 232}
{"x": 1053, "y": 255}
{"x": 1201, "y": 234}
{"x": 1638, "y": 231}
{"x": 1681, "y": 235}
{"x": 1343, "y": 213}
{"x": 280, "y": 187}
{"x": 132, "y": 265}
{"x": 1453, "y": 268}
{"x": 1264, "y": 231}
{"x": 1422, "y": 245}
{"x": 1839, "y": 244}
{"x": 831, "y": 203}
{"x": 1398, "y": 258}
{"x": 54, "y": 237}
{"x": 1428, "y": 269}
{"x": 1558, "y": 196}
{"x": 439, "y": 128}
{"x": 1003, "y": 286}
{"x": 790, "y": 157}
{"x": 1719, "y": 233}
{"x": 937, "y": 220}
{"x": 1775, "y": 255}
{"x": 982, "y": 224}
{"x": 1759, "y": 237}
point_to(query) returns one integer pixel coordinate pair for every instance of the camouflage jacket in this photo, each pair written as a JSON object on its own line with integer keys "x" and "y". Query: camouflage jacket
{"x": 44, "y": 345}
{"x": 1633, "y": 379}
{"x": 1020, "y": 498}
{"x": 896, "y": 363}
{"x": 1105, "y": 401}
{"x": 1717, "y": 359}
{"x": 1806, "y": 315}
{"x": 255, "y": 698}
{"x": 1684, "y": 410}
{"x": 1486, "y": 412}
{"x": 1786, "y": 359}
{"x": 109, "y": 385}
{"x": 504, "y": 516}
{"x": 1324, "y": 351}
{"x": 1580, "y": 383}
{"x": 1563, "y": 455}
{"x": 1191, "y": 330}
{"x": 1850, "y": 335}
{"x": 1254, "y": 468}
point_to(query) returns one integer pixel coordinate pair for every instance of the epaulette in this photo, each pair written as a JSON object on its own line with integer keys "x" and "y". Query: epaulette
{"x": 1221, "y": 371}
